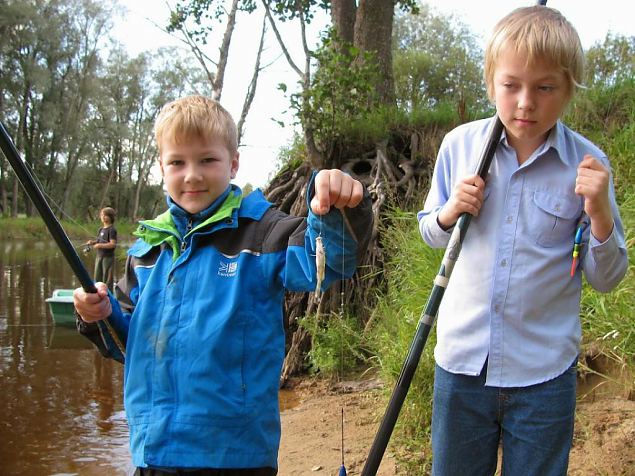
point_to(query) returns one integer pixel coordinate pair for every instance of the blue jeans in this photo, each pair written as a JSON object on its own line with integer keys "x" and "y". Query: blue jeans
{"x": 534, "y": 425}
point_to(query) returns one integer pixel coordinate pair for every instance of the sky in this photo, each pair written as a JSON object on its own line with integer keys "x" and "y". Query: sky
{"x": 263, "y": 135}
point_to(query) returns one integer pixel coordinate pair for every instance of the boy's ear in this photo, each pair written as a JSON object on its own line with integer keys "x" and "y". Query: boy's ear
{"x": 161, "y": 166}
{"x": 235, "y": 164}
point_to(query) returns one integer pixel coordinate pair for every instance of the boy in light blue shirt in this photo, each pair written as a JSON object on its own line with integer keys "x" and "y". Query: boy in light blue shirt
{"x": 508, "y": 331}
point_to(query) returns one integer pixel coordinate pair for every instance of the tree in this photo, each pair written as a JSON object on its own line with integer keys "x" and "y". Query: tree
{"x": 51, "y": 50}
{"x": 437, "y": 60}
{"x": 611, "y": 60}
{"x": 195, "y": 20}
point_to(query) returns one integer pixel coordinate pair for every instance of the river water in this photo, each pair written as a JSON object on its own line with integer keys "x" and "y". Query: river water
{"x": 62, "y": 411}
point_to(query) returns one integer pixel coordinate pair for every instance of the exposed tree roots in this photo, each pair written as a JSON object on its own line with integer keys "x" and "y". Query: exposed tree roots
{"x": 393, "y": 178}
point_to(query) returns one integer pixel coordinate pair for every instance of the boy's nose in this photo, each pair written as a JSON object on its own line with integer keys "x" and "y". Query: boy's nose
{"x": 525, "y": 100}
{"x": 192, "y": 174}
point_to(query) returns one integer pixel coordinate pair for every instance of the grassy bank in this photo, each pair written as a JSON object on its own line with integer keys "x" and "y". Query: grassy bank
{"x": 34, "y": 228}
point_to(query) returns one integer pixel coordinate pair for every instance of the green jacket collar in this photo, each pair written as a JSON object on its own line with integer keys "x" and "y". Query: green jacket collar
{"x": 162, "y": 228}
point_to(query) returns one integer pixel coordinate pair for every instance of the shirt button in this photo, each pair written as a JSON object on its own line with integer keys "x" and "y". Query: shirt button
{"x": 509, "y": 219}
{"x": 557, "y": 207}
{"x": 497, "y": 308}
{"x": 503, "y": 263}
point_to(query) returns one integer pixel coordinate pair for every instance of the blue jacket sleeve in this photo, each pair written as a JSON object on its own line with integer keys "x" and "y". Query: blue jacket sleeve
{"x": 101, "y": 333}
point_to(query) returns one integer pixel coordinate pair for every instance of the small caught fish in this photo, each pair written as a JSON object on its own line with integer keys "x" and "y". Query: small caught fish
{"x": 320, "y": 265}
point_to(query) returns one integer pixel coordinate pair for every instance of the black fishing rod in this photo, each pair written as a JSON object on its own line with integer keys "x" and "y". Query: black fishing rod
{"x": 429, "y": 314}
{"x": 55, "y": 228}
{"x": 53, "y": 225}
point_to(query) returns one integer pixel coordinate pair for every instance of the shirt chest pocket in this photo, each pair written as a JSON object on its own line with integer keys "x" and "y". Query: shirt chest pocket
{"x": 553, "y": 217}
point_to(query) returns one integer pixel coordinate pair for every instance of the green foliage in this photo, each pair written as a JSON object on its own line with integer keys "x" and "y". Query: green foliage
{"x": 337, "y": 345}
{"x": 292, "y": 155}
{"x": 34, "y": 227}
{"x": 290, "y": 9}
{"x": 611, "y": 61}
{"x": 605, "y": 114}
{"x": 437, "y": 60}
{"x": 378, "y": 123}
{"x": 81, "y": 116}
{"x": 342, "y": 91}
{"x": 204, "y": 14}
{"x": 409, "y": 274}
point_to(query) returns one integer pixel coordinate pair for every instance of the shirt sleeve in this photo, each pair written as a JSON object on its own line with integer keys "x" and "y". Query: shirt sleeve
{"x": 605, "y": 263}
{"x": 438, "y": 195}
{"x": 122, "y": 304}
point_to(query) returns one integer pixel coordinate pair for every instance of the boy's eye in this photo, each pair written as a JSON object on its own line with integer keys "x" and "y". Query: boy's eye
{"x": 207, "y": 160}
{"x": 175, "y": 162}
{"x": 547, "y": 88}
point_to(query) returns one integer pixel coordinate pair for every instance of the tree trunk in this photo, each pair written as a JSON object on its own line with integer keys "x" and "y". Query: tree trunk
{"x": 373, "y": 33}
{"x": 343, "y": 19}
{"x": 14, "y": 198}
{"x": 253, "y": 84}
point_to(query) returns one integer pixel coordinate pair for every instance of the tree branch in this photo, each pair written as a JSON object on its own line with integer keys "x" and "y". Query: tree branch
{"x": 280, "y": 42}
{"x": 251, "y": 90}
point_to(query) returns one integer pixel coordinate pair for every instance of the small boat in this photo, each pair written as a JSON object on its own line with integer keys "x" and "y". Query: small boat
{"x": 61, "y": 306}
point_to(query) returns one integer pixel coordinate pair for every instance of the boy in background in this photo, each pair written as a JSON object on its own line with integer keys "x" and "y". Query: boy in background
{"x": 105, "y": 244}
{"x": 200, "y": 308}
{"x": 508, "y": 328}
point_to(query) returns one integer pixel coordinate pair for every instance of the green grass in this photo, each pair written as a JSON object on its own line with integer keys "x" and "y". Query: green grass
{"x": 337, "y": 346}
{"x": 608, "y": 320}
{"x": 35, "y": 228}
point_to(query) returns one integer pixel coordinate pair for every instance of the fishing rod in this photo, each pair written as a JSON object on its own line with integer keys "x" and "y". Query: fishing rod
{"x": 55, "y": 228}
{"x": 429, "y": 314}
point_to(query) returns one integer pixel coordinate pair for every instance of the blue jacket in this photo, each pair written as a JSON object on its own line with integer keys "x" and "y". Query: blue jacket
{"x": 202, "y": 321}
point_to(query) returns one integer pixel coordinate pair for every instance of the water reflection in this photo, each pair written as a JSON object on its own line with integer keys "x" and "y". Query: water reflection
{"x": 61, "y": 403}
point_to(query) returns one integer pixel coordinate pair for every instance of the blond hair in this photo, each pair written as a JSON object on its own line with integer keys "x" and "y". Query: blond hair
{"x": 537, "y": 33}
{"x": 195, "y": 117}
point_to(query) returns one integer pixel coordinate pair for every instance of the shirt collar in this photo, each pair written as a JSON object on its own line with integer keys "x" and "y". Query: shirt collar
{"x": 555, "y": 140}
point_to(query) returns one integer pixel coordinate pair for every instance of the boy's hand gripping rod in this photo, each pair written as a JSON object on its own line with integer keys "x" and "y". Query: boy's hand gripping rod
{"x": 428, "y": 316}
{"x": 53, "y": 225}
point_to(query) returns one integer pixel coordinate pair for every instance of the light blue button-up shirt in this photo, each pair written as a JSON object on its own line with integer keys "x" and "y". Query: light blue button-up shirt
{"x": 510, "y": 298}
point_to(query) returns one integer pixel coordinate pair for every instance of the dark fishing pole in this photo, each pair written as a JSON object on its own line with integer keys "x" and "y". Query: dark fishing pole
{"x": 428, "y": 316}
{"x": 53, "y": 225}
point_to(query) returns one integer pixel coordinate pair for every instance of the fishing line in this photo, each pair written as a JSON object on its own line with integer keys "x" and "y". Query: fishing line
{"x": 36, "y": 261}
{"x": 341, "y": 318}
{"x": 51, "y": 201}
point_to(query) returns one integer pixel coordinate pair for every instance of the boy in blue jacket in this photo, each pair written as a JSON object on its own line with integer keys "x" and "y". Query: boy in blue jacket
{"x": 508, "y": 331}
{"x": 200, "y": 307}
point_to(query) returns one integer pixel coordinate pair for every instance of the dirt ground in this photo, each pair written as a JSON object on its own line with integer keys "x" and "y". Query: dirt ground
{"x": 604, "y": 442}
